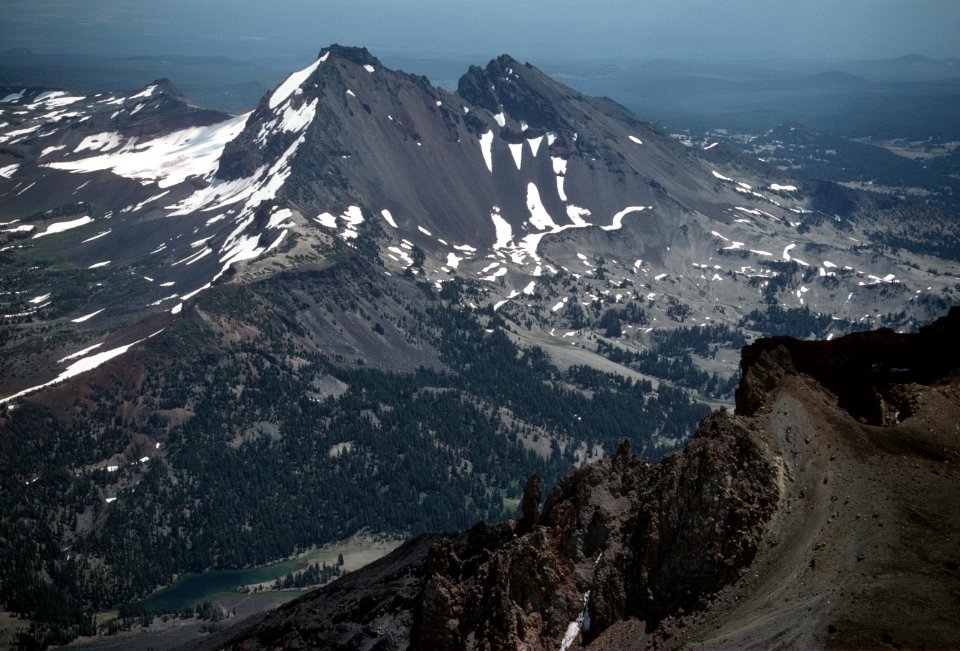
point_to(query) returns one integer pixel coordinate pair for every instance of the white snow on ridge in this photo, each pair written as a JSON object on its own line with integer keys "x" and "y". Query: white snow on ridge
{"x": 146, "y": 201}
{"x": 500, "y": 119}
{"x": 97, "y": 265}
{"x": 293, "y": 82}
{"x": 78, "y": 367}
{"x": 369, "y": 68}
{"x": 539, "y": 217}
{"x": 261, "y": 186}
{"x": 388, "y": 217}
{"x": 618, "y": 218}
{"x": 245, "y": 248}
{"x": 79, "y": 353}
{"x": 100, "y": 142}
{"x": 786, "y": 251}
{"x": 276, "y": 219}
{"x": 277, "y": 241}
{"x": 22, "y": 228}
{"x": 577, "y": 214}
{"x": 146, "y": 92}
{"x": 9, "y": 170}
{"x": 12, "y": 97}
{"x": 721, "y": 176}
{"x": 167, "y": 160}
{"x": 504, "y": 232}
{"x": 486, "y": 148}
{"x": 55, "y": 98}
{"x": 86, "y": 317}
{"x": 516, "y": 150}
{"x": 560, "y": 169}
{"x": 783, "y": 188}
{"x": 453, "y": 260}
{"x": 59, "y": 227}
{"x": 535, "y": 145}
{"x": 635, "y": 139}
{"x": 297, "y": 119}
{"x": 49, "y": 150}
{"x": 328, "y": 220}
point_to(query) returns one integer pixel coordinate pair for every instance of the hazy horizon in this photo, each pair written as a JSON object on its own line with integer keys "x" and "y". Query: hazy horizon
{"x": 470, "y": 29}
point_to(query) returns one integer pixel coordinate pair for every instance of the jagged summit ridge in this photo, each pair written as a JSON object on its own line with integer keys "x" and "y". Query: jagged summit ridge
{"x": 512, "y": 182}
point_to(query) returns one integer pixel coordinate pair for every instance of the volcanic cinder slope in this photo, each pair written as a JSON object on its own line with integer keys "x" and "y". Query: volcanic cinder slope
{"x": 118, "y": 209}
{"x": 793, "y": 524}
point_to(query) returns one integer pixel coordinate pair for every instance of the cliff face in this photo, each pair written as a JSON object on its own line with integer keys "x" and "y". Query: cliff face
{"x": 796, "y": 523}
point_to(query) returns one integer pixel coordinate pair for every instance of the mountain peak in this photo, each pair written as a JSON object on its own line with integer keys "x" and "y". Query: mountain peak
{"x": 358, "y": 55}
{"x": 516, "y": 88}
{"x": 166, "y": 86}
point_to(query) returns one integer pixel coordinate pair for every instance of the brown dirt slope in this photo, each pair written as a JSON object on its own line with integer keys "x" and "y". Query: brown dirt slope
{"x": 863, "y": 549}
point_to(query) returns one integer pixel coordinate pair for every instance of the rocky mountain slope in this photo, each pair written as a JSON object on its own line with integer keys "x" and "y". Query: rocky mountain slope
{"x": 118, "y": 207}
{"x": 797, "y": 523}
{"x": 369, "y": 291}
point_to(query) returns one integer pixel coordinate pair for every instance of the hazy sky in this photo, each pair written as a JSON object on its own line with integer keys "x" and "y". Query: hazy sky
{"x": 528, "y": 29}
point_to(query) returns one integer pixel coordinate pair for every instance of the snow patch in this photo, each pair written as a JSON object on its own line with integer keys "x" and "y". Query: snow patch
{"x": 59, "y": 227}
{"x": 78, "y": 367}
{"x": 576, "y": 215}
{"x": 79, "y": 353}
{"x": 85, "y": 317}
{"x": 49, "y": 150}
{"x": 635, "y": 139}
{"x": 293, "y": 82}
{"x": 535, "y": 145}
{"x": 277, "y": 218}
{"x": 618, "y": 218}
{"x": 539, "y": 217}
{"x": 516, "y": 150}
{"x": 328, "y": 220}
{"x": 102, "y": 142}
{"x": 486, "y": 148}
{"x": 386, "y": 215}
{"x": 166, "y": 160}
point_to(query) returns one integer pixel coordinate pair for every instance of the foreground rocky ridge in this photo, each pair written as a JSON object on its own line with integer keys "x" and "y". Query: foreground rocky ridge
{"x": 792, "y": 524}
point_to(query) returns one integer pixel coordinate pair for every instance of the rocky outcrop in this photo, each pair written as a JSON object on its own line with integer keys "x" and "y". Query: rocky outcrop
{"x": 792, "y": 524}
{"x": 863, "y": 369}
{"x": 616, "y": 539}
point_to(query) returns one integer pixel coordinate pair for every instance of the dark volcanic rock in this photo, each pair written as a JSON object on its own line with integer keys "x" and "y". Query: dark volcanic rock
{"x": 862, "y": 369}
{"x": 616, "y": 539}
